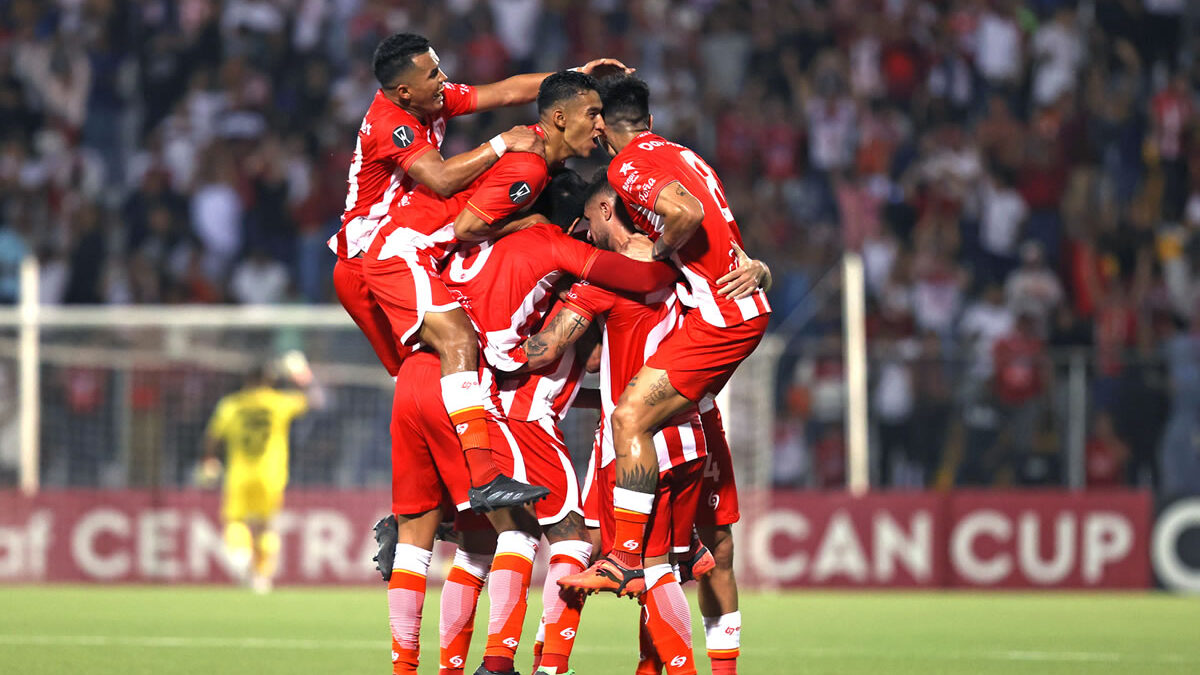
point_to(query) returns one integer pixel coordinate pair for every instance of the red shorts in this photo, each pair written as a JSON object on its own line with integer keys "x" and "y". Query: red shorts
{"x": 535, "y": 452}
{"x": 406, "y": 286}
{"x": 670, "y": 526}
{"x": 351, "y": 289}
{"x": 699, "y": 358}
{"x": 427, "y": 459}
{"x": 718, "y": 490}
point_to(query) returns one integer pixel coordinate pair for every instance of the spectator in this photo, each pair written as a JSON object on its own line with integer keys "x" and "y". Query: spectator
{"x": 1106, "y": 454}
{"x": 259, "y": 280}
{"x": 1033, "y": 287}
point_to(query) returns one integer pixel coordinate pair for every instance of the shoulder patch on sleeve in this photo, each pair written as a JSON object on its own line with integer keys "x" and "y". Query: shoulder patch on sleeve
{"x": 403, "y": 136}
{"x": 519, "y": 191}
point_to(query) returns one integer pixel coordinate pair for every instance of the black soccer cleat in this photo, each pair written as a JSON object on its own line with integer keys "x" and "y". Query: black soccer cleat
{"x": 484, "y": 671}
{"x": 503, "y": 492}
{"x": 386, "y": 534}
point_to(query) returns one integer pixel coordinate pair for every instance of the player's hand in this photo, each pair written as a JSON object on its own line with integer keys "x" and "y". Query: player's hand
{"x": 523, "y": 139}
{"x": 208, "y": 473}
{"x": 639, "y": 247}
{"x": 749, "y": 276}
{"x": 588, "y": 67}
{"x": 295, "y": 365}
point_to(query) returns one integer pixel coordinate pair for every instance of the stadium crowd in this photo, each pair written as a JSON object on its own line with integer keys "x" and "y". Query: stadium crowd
{"x": 1019, "y": 176}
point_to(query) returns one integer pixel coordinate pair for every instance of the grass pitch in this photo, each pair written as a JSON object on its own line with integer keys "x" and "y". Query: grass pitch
{"x": 210, "y": 630}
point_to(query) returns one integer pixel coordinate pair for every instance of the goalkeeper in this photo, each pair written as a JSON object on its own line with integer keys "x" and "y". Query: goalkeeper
{"x": 252, "y": 424}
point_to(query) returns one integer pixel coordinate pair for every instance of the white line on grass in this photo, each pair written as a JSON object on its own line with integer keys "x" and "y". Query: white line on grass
{"x": 192, "y": 642}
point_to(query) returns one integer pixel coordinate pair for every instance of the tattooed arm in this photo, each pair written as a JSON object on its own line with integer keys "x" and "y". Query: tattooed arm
{"x": 563, "y": 330}
{"x": 682, "y": 214}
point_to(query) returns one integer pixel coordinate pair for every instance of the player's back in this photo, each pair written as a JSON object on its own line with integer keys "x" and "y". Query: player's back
{"x": 254, "y": 424}
{"x": 639, "y": 173}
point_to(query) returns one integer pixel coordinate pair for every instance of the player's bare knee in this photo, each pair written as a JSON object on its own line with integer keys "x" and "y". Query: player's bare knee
{"x": 570, "y": 528}
{"x": 628, "y": 419}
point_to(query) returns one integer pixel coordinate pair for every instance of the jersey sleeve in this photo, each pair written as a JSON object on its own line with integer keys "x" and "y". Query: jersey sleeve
{"x": 294, "y": 403}
{"x": 589, "y": 301}
{"x": 218, "y": 424}
{"x": 461, "y": 99}
{"x": 511, "y": 185}
{"x": 401, "y": 140}
{"x": 637, "y": 180}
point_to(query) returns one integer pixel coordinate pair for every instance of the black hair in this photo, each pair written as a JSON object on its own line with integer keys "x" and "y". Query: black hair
{"x": 563, "y": 198}
{"x": 561, "y": 86}
{"x": 599, "y": 186}
{"x": 395, "y": 55}
{"x": 626, "y": 101}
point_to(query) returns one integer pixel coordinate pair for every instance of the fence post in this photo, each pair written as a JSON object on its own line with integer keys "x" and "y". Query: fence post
{"x": 1076, "y": 419}
{"x": 855, "y": 354}
{"x": 30, "y": 395}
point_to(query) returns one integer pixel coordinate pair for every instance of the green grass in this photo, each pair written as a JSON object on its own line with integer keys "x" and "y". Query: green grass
{"x": 211, "y": 631}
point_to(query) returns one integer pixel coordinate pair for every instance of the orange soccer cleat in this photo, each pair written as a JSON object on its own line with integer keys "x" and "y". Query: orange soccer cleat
{"x": 606, "y": 574}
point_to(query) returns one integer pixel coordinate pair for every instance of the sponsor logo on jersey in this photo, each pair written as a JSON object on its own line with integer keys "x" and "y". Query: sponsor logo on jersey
{"x": 714, "y": 500}
{"x": 630, "y": 545}
{"x": 520, "y": 191}
{"x": 403, "y": 136}
{"x": 626, "y": 168}
{"x": 460, "y": 429}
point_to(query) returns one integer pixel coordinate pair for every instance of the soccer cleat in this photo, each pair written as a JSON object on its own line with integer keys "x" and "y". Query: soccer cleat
{"x": 698, "y": 564}
{"x": 386, "y": 534}
{"x": 608, "y": 575}
{"x": 484, "y": 671}
{"x": 553, "y": 671}
{"x": 503, "y": 492}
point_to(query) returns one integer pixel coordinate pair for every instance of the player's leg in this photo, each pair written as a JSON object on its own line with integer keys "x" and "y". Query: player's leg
{"x": 512, "y": 566}
{"x": 570, "y": 553}
{"x": 718, "y": 600}
{"x": 452, "y": 335}
{"x": 460, "y": 594}
{"x": 668, "y": 617}
{"x": 718, "y": 510}
{"x": 406, "y": 587}
{"x": 239, "y": 541}
{"x": 648, "y": 401}
{"x": 350, "y": 286}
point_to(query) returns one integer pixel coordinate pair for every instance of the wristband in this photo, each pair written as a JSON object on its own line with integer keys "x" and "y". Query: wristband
{"x": 576, "y": 69}
{"x": 498, "y": 145}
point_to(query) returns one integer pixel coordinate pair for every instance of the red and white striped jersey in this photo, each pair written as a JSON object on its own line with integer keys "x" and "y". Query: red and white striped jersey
{"x": 423, "y": 220}
{"x": 632, "y": 332}
{"x": 390, "y": 139}
{"x": 639, "y": 173}
{"x": 506, "y": 286}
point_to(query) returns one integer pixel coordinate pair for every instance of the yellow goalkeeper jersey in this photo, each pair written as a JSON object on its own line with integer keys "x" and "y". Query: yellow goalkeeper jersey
{"x": 254, "y": 425}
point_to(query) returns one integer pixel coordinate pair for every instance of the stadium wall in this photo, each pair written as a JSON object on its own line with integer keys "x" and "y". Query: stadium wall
{"x": 965, "y": 539}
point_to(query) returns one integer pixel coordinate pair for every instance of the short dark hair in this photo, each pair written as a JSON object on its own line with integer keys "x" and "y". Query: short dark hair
{"x": 600, "y": 187}
{"x": 395, "y": 55}
{"x": 563, "y": 198}
{"x": 563, "y": 85}
{"x": 626, "y": 101}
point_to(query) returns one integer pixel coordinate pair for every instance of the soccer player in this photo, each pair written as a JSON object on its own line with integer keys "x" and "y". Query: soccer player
{"x": 252, "y": 424}
{"x": 677, "y": 200}
{"x": 507, "y": 287}
{"x": 632, "y": 331}
{"x": 398, "y": 148}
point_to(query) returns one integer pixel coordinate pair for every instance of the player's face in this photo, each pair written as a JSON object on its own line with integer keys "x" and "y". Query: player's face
{"x": 583, "y": 123}
{"x": 599, "y": 228}
{"x": 424, "y": 83}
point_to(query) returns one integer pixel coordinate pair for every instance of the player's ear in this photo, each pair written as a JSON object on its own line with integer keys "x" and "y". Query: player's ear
{"x": 650, "y": 124}
{"x": 560, "y": 119}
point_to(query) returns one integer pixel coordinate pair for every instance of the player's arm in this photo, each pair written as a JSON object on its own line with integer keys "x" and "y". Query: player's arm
{"x": 749, "y": 276}
{"x": 682, "y": 215}
{"x": 555, "y": 338}
{"x": 614, "y": 271}
{"x": 521, "y": 89}
{"x": 449, "y": 176}
{"x": 511, "y": 187}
